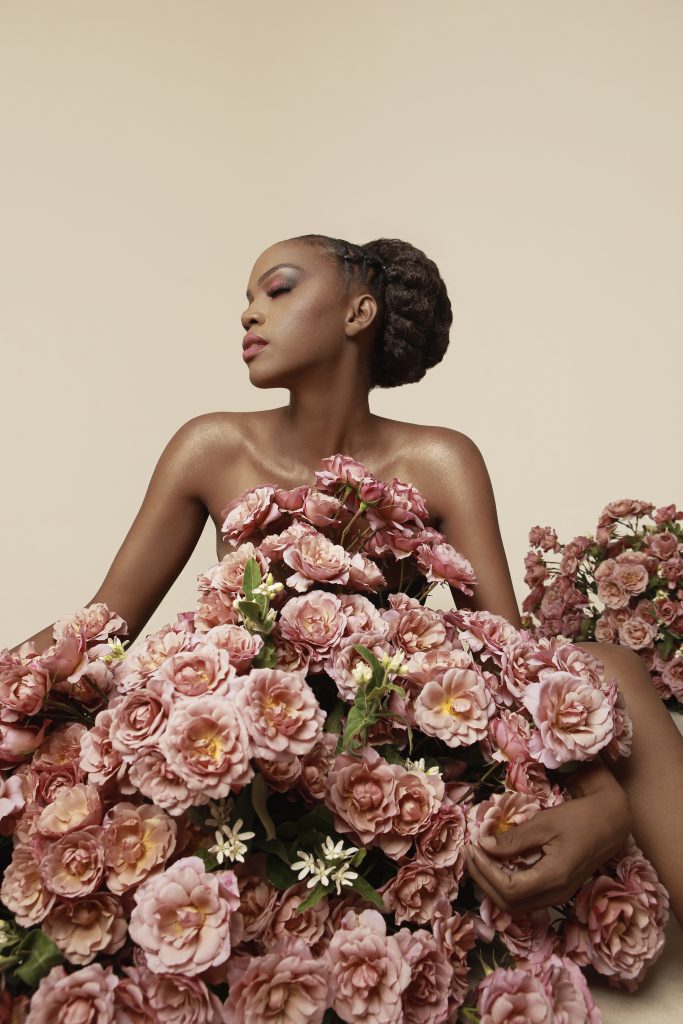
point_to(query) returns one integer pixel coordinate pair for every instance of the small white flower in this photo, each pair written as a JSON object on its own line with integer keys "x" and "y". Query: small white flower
{"x": 305, "y": 866}
{"x": 335, "y": 851}
{"x": 361, "y": 672}
{"x": 220, "y": 812}
{"x": 117, "y": 651}
{"x": 343, "y": 875}
{"x": 321, "y": 873}
{"x": 394, "y": 664}
{"x": 230, "y": 843}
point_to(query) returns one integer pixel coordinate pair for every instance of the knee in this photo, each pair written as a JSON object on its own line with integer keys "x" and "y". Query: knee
{"x": 620, "y": 661}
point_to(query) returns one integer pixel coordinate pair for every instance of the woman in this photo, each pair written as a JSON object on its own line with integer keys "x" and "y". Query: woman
{"x": 330, "y": 321}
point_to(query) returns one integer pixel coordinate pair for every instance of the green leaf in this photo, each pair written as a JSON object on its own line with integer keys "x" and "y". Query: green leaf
{"x": 274, "y": 846}
{"x": 259, "y": 798}
{"x": 252, "y": 576}
{"x": 333, "y": 720}
{"x": 317, "y": 893}
{"x": 210, "y": 862}
{"x": 249, "y": 609}
{"x": 267, "y": 656}
{"x": 42, "y": 956}
{"x": 278, "y": 874}
{"x": 370, "y": 658}
{"x": 355, "y": 722}
{"x": 369, "y": 893}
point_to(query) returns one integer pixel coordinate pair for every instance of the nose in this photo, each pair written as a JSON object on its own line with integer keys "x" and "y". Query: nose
{"x": 250, "y": 317}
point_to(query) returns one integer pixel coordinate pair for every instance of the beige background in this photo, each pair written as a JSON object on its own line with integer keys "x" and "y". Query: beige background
{"x": 151, "y": 150}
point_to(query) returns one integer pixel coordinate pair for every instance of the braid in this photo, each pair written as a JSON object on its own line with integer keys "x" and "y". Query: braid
{"x": 415, "y": 310}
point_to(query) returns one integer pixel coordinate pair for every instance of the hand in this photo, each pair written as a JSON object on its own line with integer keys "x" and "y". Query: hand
{"x": 575, "y": 838}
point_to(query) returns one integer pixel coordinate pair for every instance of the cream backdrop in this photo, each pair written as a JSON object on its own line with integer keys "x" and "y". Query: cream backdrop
{"x": 153, "y": 148}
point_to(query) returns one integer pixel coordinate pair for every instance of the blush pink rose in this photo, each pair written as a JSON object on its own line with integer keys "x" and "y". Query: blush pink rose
{"x": 93, "y": 623}
{"x": 568, "y": 991}
{"x": 193, "y": 673}
{"x": 425, "y": 998}
{"x": 512, "y": 996}
{"x": 364, "y": 574}
{"x": 499, "y": 814}
{"x": 286, "y": 986}
{"x": 73, "y": 865}
{"x": 322, "y": 510}
{"x": 637, "y": 633}
{"x": 99, "y": 759}
{"x": 23, "y": 890}
{"x": 280, "y": 712}
{"x": 138, "y": 720}
{"x": 418, "y": 798}
{"x": 286, "y": 920}
{"x": 369, "y": 971}
{"x": 253, "y": 510}
{"x": 181, "y": 918}
{"x": 457, "y": 709}
{"x": 612, "y": 594}
{"x": 346, "y": 661}
{"x": 484, "y": 632}
{"x": 412, "y": 627}
{"x": 151, "y": 774}
{"x": 672, "y": 674}
{"x": 361, "y": 793}
{"x": 86, "y": 995}
{"x": 138, "y": 840}
{"x": 443, "y": 562}
{"x": 316, "y": 559}
{"x": 84, "y": 927}
{"x": 574, "y": 719}
{"x": 442, "y": 841}
{"x": 632, "y": 576}
{"x": 663, "y": 545}
{"x": 70, "y": 810}
{"x": 136, "y": 669}
{"x": 12, "y": 798}
{"x": 417, "y": 889}
{"x": 314, "y": 622}
{"x": 175, "y": 997}
{"x": 257, "y": 902}
{"x": 240, "y": 645}
{"x": 207, "y": 744}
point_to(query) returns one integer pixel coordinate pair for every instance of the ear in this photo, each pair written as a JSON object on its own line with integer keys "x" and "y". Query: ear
{"x": 360, "y": 314}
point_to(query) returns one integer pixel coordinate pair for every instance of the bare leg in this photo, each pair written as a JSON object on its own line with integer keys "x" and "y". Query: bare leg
{"x": 652, "y": 776}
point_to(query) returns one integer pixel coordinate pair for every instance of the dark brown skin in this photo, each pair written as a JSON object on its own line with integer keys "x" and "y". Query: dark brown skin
{"x": 320, "y": 334}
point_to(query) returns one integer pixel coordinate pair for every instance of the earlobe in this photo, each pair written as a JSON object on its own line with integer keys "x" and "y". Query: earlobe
{"x": 361, "y": 314}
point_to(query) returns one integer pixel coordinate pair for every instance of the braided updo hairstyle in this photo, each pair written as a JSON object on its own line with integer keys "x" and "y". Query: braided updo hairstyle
{"x": 413, "y": 306}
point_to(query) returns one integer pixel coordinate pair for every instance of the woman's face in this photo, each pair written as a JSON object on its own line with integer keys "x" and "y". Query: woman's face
{"x": 298, "y": 304}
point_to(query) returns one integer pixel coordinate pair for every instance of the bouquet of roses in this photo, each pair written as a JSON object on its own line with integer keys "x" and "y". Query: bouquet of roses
{"x": 624, "y": 585}
{"x": 259, "y": 814}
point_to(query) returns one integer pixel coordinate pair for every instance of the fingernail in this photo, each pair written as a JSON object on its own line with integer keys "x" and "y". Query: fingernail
{"x": 488, "y": 842}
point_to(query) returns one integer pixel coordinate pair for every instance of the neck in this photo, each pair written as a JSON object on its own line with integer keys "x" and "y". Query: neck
{"x": 322, "y": 421}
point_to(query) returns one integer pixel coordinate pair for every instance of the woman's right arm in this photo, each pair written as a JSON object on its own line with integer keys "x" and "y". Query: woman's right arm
{"x": 164, "y": 533}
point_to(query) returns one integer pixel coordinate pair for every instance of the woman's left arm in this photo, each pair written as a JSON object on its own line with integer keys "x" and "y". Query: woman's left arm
{"x": 578, "y": 836}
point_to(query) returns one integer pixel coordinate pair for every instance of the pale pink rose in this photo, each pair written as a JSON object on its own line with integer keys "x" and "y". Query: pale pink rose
{"x": 241, "y": 645}
{"x": 291, "y": 499}
{"x": 253, "y": 510}
{"x": 416, "y": 890}
{"x": 632, "y": 576}
{"x": 425, "y": 999}
{"x": 364, "y": 574}
{"x": 286, "y": 920}
{"x": 147, "y": 655}
{"x": 663, "y": 545}
{"x": 516, "y": 668}
{"x": 568, "y": 991}
{"x": 315, "y": 767}
{"x": 315, "y": 623}
{"x": 286, "y": 986}
{"x": 508, "y": 737}
{"x": 612, "y": 594}
{"x": 636, "y": 633}
{"x": 413, "y": 499}
{"x": 84, "y": 927}
{"x": 569, "y": 657}
{"x": 12, "y": 800}
{"x": 139, "y": 720}
{"x": 316, "y": 559}
{"x": 509, "y": 997}
{"x": 207, "y": 744}
{"x": 528, "y": 936}
{"x": 484, "y": 632}
{"x": 98, "y": 757}
{"x": 73, "y": 865}
{"x": 442, "y": 841}
{"x": 361, "y": 615}
{"x": 369, "y": 971}
{"x": 151, "y": 774}
{"x": 536, "y": 569}
{"x": 85, "y": 996}
{"x": 181, "y": 917}
{"x": 574, "y": 719}
{"x": 193, "y": 673}
{"x": 322, "y": 510}
{"x": 614, "y": 930}
{"x": 70, "y": 810}
{"x": 500, "y": 813}
{"x": 543, "y": 537}
{"x": 61, "y": 746}
{"x": 16, "y": 744}
{"x": 604, "y": 631}
{"x": 23, "y": 890}
{"x": 289, "y": 657}
{"x": 443, "y": 562}
{"x": 672, "y": 674}
{"x": 176, "y": 997}
{"x": 93, "y": 623}
{"x": 215, "y": 608}
{"x": 639, "y": 876}
{"x": 138, "y": 840}
{"x": 274, "y": 545}
{"x": 280, "y": 712}
{"x": 257, "y": 901}
{"x": 457, "y": 709}
{"x": 346, "y": 661}
{"x": 228, "y": 574}
{"x": 23, "y": 687}
{"x": 340, "y": 469}
{"x": 412, "y": 627}
{"x": 280, "y": 772}
{"x": 361, "y": 793}
{"x": 418, "y": 797}
{"x": 425, "y": 666}
{"x": 530, "y": 778}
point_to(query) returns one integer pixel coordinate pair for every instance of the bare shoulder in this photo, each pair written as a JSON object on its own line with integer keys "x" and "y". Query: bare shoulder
{"x": 449, "y": 461}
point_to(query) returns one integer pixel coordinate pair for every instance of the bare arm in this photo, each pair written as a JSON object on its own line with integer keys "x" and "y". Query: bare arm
{"x": 164, "y": 533}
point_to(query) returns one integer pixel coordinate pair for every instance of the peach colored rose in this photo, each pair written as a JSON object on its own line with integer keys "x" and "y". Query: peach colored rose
{"x": 369, "y": 972}
{"x": 139, "y": 720}
{"x": 361, "y": 793}
{"x": 98, "y": 757}
{"x": 286, "y": 986}
{"x": 253, "y": 510}
{"x": 136, "y": 669}
{"x": 315, "y": 623}
{"x": 316, "y": 559}
{"x": 280, "y": 712}
{"x": 574, "y": 719}
{"x": 86, "y": 995}
{"x": 84, "y": 927}
{"x": 138, "y": 840}
{"x": 73, "y": 865}
{"x": 70, "y": 810}
{"x": 457, "y": 709}
{"x": 181, "y": 918}
{"x": 93, "y": 623}
{"x": 23, "y": 890}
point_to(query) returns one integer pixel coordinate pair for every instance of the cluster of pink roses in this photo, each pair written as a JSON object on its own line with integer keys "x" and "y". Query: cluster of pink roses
{"x": 623, "y": 586}
{"x": 266, "y": 821}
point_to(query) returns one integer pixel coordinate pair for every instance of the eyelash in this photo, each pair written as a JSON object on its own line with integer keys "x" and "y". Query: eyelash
{"x": 277, "y": 289}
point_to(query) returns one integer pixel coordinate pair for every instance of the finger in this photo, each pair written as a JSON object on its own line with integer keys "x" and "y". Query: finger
{"x": 535, "y": 833}
{"x": 482, "y": 881}
{"x": 539, "y": 882}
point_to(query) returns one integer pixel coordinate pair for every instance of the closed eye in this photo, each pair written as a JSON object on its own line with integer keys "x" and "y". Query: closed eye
{"x": 277, "y": 290}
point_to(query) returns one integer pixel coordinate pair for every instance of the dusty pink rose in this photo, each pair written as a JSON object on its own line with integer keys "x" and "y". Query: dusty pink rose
{"x": 86, "y": 996}
{"x": 152, "y": 775}
{"x": 369, "y": 971}
{"x": 207, "y": 744}
{"x": 84, "y": 927}
{"x": 605, "y": 632}
{"x": 181, "y": 917}
{"x": 340, "y": 469}
{"x": 412, "y": 627}
{"x": 528, "y": 936}
{"x": 543, "y": 537}
{"x": 286, "y": 986}
{"x": 484, "y": 632}
{"x": 574, "y": 719}
{"x": 23, "y": 890}
{"x": 361, "y": 793}
{"x": 73, "y": 865}
{"x": 441, "y": 842}
{"x": 663, "y": 545}
{"x": 671, "y": 570}
{"x": 508, "y": 737}
{"x": 322, "y": 510}
{"x": 257, "y": 901}
{"x": 612, "y": 594}
{"x": 286, "y": 920}
{"x": 418, "y": 798}
{"x": 70, "y": 810}
{"x": 568, "y": 990}
{"x": 23, "y": 686}
{"x": 347, "y": 666}
{"x": 143, "y": 997}
{"x": 315, "y": 623}
{"x": 240, "y": 645}
{"x": 316, "y": 559}
{"x": 98, "y": 757}
{"x": 315, "y": 767}
{"x": 215, "y": 608}
{"x": 636, "y": 633}
{"x": 531, "y": 778}
{"x": 93, "y": 623}
{"x": 416, "y": 890}
{"x": 148, "y": 655}
{"x": 364, "y": 574}
{"x": 280, "y": 712}
{"x": 138, "y": 720}
{"x": 425, "y": 999}
{"x": 16, "y": 744}
{"x": 253, "y": 510}
{"x": 536, "y": 571}
{"x": 204, "y": 669}
{"x": 12, "y": 799}
{"x": 672, "y": 674}
{"x": 457, "y": 709}
{"x": 510, "y": 997}
{"x": 632, "y": 576}
{"x": 361, "y": 615}
{"x": 138, "y": 839}
{"x": 443, "y": 562}
{"x": 274, "y": 545}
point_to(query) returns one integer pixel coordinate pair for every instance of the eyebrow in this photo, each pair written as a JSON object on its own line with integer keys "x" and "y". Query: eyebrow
{"x": 270, "y": 270}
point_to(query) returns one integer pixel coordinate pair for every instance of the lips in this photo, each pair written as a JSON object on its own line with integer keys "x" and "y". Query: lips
{"x": 252, "y": 345}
